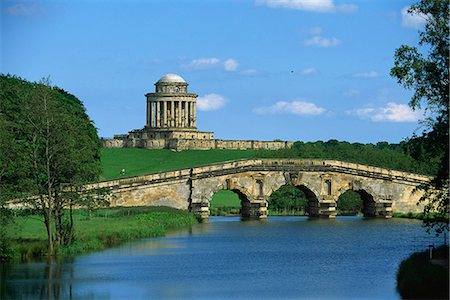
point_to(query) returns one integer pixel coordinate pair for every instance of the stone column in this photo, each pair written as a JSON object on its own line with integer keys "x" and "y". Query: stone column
{"x": 172, "y": 114}
{"x": 190, "y": 114}
{"x": 148, "y": 114}
{"x": 158, "y": 114}
{"x": 194, "y": 114}
{"x": 185, "y": 114}
{"x": 164, "y": 114}
{"x": 179, "y": 114}
{"x": 152, "y": 114}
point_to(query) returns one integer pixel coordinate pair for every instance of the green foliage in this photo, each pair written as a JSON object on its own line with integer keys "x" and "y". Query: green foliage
{"x": 425, "y": 71}
{"x": 144, "y": 161}
{"x": 418, "y": 278}
{"x": 288, "y": 200}
{"x": 48, "y": 146}
{"x": 382, "y": 154}
{"x": 349, "y": 203}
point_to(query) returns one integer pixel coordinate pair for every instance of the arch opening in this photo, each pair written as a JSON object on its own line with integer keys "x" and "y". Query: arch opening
{"x": 356, "y": 202}
{"x": 293, "y": 200}
{"x": 228, "y": 203}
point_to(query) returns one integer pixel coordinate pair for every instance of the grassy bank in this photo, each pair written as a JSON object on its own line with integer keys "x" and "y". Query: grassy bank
{"x": 98, "y": 229}
{"x": 420, "y": 278}
{"x": 137, "y": 161}
{"x": 421, "y": 216}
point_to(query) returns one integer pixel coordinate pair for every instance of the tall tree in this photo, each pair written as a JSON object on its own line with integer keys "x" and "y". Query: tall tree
{"x": 425, "y": 70}
{"x": 58, "y": 145}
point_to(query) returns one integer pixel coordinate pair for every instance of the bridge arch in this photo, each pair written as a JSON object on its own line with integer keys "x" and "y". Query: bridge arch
{"x": 243, "y": 194}
{"x": 313, "y": 201}
{"x": 369, "y": 205}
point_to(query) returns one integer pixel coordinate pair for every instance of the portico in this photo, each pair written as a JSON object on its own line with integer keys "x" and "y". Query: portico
{"x": 171, "y": 106}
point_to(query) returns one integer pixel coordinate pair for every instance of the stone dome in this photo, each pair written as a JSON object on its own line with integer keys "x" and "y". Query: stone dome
{"x": 171, "y": 78}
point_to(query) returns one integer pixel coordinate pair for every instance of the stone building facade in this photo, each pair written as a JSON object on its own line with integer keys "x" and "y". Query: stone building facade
{"x": 171, "y": 116}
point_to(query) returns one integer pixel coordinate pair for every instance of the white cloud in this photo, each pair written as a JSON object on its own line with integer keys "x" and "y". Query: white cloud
{"x": 413, "y": 20}
{"x": 295, "y": 107}
{"x": 24, "y": 9}
{"x": 393, "y": 112}
{"x": 309, "y": 5}
{"x": 202, "y": 63}
{"x": 320, "y": 41}
{"x": 211, "y": 102}
{"x": 309, "y": 71}
{"x": 370, "y": 74}
{"x": 230, "y": 65}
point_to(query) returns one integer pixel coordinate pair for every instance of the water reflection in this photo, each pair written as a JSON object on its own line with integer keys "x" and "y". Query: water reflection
{"x": 40, "y": 280}
{"x": 286, "y": 257}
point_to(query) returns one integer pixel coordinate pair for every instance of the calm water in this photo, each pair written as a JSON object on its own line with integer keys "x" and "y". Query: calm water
{"x": 286, "y": 257}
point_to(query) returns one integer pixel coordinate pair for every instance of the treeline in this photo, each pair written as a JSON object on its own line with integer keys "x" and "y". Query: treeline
{"x": 404, "y": 156}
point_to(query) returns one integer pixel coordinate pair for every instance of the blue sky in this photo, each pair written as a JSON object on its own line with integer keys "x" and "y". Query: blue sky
{"x": 263, "y": 69}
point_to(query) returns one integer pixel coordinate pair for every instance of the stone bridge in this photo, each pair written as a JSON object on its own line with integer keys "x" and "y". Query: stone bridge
{"x": 323, "y": 181}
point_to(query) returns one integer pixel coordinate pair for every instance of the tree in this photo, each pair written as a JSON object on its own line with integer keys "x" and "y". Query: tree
{"x": 349, "y": 203}
{"x": 288, "y": 198}
{"x": 425, "y": 70}
{"x": 56, "y": 147}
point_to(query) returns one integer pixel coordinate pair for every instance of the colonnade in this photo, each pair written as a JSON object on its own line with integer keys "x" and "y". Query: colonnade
{"x": 171, "y": 114}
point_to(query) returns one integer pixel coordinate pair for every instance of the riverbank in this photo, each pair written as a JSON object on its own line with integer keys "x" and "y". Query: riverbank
{"x": 96, "y": 230}
{"x": 418, "y": 277}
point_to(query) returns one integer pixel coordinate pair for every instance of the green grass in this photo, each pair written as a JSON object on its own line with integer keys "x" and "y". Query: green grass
{"x": 225, "y": 198}
{"x": 225, "y": 203}
{"x": 137, "y": 161}
{"x": 99, "y": 229}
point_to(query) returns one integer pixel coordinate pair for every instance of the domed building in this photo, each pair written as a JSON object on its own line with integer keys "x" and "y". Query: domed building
{"x": 171, "y": 123}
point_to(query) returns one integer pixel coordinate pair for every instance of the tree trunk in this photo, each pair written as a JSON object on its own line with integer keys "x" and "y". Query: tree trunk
{"x": 69, "y": 241}
{"x": 48, "y": 224}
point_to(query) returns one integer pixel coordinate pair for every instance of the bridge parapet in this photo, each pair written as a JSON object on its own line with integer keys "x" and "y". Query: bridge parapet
{"x": 266, "y": 165}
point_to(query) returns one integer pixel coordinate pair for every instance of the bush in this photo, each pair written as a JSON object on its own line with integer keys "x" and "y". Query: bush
{"x": 418, "y": 278}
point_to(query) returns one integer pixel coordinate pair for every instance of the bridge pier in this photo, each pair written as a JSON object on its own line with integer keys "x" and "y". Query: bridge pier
{"x": 200, "y": 209}
{"x": 327, "y": 209}
{"x": 254, "y": 210}
{"x": 383, "y": 209}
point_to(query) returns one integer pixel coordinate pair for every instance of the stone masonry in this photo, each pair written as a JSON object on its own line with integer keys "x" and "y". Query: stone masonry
{"x": 383, "y": 191}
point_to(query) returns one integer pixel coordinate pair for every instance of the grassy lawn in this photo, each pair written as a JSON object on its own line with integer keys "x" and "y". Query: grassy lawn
{"x": 225, "y": 203}
{"x": 144, "y": 161}
{"x": 99, "y": 229}
{"x": 225, "y": 198}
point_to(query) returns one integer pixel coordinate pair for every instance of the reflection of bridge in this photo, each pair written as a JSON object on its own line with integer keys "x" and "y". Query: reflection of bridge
{"x": 323, "y": 181}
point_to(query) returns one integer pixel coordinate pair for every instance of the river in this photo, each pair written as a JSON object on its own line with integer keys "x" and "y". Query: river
{"x": 282, "y": 258}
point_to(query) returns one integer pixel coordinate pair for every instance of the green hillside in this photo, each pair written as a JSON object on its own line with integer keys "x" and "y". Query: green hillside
{"x": 137, "y": 161}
